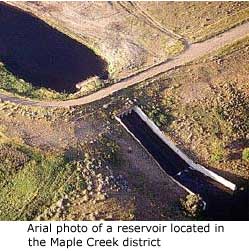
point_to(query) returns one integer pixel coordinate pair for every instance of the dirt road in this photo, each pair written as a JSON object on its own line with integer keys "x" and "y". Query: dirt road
{"x": 194, "y": 51}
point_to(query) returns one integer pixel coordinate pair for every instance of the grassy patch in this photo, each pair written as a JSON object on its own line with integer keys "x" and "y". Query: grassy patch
{"x": 231, "y": 48}
{"x": 221, "y": 25}
{"x": 27, "y": 191}
{"x": 30, "y": 180}
{"x": 245, "y": 154}
{"x": 15, "y": 85}
{"x": 198, "y": 21}
{"x": 175, "y": 49}
{"x": 218, "y": 151}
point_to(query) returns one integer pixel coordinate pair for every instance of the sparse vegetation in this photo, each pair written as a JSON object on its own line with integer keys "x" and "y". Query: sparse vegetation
{"x": 233, "y": 108}
{"x": 192, "y": 205}
{"x": 231, "y": 48}
{"x": 221, "y": 25}
{"x": 198, "y": 21}
{"x": 17, "y": 86}
{"x": 218, "y": 152}
{"x": 245, "y": 154}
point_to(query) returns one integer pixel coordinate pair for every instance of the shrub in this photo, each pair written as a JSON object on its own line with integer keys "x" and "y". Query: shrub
{"x": 233, "y": 108}
{"x": 245, "y": 154}
{"x": 161, "y": 117}
{"x": 12, "y": 158}
{"x": 218, "y": 152}
{"x": 192, "y": 205}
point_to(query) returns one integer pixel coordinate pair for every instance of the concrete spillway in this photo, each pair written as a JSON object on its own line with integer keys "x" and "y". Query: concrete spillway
{"x": 216, "y": 191}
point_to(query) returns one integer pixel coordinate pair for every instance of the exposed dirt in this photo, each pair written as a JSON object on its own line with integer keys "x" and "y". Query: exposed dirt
{"x": 197, "y": 92}
{"x": 48, "y": 135}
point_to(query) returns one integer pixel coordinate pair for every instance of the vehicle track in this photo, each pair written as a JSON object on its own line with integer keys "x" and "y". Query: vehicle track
{"x": 138, "y": 12}
{"x": 148, "y": 18}
{"x": 193, "y": 52}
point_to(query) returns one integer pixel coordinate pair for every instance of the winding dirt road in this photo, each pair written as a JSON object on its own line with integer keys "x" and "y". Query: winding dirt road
{"x": 194, "y": 51}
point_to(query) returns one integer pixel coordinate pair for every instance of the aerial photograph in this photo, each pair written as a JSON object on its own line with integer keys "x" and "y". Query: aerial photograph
{"x": 132, "y": 111}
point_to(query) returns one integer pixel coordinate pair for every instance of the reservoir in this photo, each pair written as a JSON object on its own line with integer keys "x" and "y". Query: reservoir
{"x": 43, "y": 56}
